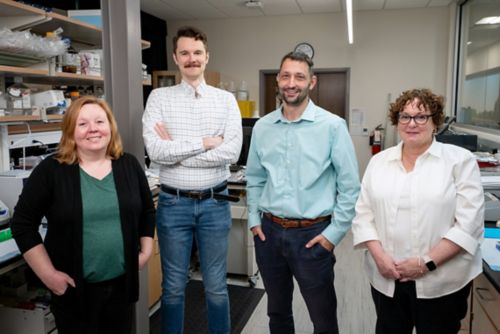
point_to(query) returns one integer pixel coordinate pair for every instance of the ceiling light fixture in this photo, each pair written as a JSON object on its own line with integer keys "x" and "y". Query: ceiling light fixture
{"x": 253, "y": 4}
{"x": 489, "y": 20}
{"x": 348, "y": 6}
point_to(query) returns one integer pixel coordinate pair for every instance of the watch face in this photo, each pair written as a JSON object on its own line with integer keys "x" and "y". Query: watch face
{"x": 305, "y": 48}
{"x": 431, "y": 265}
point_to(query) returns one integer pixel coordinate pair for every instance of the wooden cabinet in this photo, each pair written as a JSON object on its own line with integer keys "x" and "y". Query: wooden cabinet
{"x": 154, "y": 274}
{"x": 485, "y": 307}
{"x": 170, "y": 78}
{"x": 166, "y": 78}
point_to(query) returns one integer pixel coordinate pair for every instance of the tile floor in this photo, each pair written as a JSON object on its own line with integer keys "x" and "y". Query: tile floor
{"x": 355, "y": 310}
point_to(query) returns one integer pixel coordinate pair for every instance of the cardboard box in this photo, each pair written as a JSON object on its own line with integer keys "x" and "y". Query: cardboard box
{"x": 90, "y": 62}
{"x": 89, "y": 16}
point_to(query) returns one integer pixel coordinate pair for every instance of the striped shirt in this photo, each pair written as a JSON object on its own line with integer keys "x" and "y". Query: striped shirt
{"x": 190, "y": 115}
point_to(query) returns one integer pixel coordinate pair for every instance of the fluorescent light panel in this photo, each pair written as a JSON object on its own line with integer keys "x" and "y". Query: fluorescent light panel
{"x": 489, "y": 20}
{"x": 348, "y": 6}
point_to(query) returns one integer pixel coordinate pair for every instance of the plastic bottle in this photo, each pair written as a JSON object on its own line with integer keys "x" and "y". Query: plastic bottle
{"x": 52, "y": 37}
{"x": 231, "y": 88}
{"x": 74, "y": 95}
{"x": 99, "y": 92}
{"x": 3, "y": 104}
{"x": 70, "y": 59}
{"x": 18, "y": 98}
{"x": 242, "y": 93}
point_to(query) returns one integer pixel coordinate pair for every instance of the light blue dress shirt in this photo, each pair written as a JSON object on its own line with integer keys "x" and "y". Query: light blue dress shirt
{"x": 305, "y": 168}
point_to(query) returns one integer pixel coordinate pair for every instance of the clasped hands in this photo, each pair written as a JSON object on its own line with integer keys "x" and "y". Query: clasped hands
{"x": 405, "y": 270}
{"x": 209, "y": 143}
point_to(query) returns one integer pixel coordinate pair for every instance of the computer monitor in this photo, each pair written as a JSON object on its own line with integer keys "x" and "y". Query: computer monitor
{"x": 247, "y": 127}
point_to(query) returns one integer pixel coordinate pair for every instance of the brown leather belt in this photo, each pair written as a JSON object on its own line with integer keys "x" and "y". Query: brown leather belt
{"x": 295, "y": 223}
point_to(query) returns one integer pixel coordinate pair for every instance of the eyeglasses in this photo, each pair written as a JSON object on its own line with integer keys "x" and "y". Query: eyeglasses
{"x": 419, "y": 119}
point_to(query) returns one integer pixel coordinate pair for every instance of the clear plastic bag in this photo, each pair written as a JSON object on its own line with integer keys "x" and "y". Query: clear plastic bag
{"x": 26, "y": 43}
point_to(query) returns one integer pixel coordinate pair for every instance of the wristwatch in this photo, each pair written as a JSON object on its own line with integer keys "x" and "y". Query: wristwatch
{"x": 429, "y": 263}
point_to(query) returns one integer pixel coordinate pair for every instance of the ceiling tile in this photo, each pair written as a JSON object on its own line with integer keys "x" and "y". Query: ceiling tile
{"x": 368, "y": 4}
{"x": 282, "y": 8}
{"x": 163, "y": 11}
{"x": 319, "y": 6}
{"x": 197, "y": 9}
{"x": 440, "y": 3}
{"x": 241, "y": 11}
{"x": 399, "y": 4}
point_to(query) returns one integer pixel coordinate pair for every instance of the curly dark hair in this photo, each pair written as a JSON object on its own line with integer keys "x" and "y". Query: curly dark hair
{"x": 434, "y": 103}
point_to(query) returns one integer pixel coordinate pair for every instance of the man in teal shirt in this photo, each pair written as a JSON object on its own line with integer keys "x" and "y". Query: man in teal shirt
{"x": 302, "y": 185}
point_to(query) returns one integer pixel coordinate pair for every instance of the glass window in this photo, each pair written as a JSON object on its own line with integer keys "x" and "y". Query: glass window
{"x": 478, "y": 88}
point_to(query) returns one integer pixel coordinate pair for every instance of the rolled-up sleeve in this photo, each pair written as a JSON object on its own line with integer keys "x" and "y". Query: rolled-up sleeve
{"x": 467, "y": 232}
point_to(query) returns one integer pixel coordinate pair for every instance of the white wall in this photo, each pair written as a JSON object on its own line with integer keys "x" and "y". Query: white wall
{"x": 392, "y": 51}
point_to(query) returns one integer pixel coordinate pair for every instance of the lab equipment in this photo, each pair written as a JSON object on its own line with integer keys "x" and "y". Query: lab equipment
{"x": 4, "y": 215}
{"x": 11, "y": 183}
{"x": 52, "y": 101}
{"x": 492, "y": 205}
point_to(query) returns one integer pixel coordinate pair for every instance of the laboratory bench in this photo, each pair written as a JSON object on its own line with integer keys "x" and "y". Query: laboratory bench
{"x": 492, "y": 276}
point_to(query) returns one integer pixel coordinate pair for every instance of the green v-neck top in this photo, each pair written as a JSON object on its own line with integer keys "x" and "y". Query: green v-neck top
{"x": 103, "y": 250}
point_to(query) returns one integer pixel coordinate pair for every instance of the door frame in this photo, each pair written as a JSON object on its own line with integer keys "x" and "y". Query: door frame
{"x": 346, "y": 70}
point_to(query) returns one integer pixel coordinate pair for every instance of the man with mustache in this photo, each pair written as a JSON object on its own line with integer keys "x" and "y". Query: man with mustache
{"x": 302, "y": 185}
{"x": 194, "y": 132}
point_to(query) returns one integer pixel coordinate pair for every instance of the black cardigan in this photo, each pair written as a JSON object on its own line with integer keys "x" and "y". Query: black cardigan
{"x": 53, "y": 190}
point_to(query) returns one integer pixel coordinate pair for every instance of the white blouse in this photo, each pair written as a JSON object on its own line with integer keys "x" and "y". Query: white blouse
{"x": 446, "y": 201}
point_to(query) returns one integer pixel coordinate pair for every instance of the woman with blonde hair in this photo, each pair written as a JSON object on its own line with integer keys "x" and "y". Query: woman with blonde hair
{"x": 100, "y": 223}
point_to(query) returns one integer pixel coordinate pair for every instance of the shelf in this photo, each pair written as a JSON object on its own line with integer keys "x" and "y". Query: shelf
{"x": 40, "y": 76}
{"x": 25, "y": 71}
{"x": 28, "y": 118}
{"x": 18, "y": 16}
{"x": 63, "y": 78}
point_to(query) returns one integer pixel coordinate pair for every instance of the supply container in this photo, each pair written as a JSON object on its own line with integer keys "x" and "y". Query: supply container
{"x": 18, "y": 98}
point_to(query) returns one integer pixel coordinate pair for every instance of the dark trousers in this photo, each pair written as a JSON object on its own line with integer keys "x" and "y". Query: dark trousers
{"x": 106, "y": 310}
{"x": 404, "y": 311}
{"x": 281, "y": 257}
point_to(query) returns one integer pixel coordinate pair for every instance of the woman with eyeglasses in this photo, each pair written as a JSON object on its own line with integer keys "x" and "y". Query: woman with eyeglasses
{"x": 419, "y": 218}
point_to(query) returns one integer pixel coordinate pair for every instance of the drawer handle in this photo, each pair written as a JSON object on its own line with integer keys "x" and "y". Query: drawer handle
{"x": 485, "y": 294}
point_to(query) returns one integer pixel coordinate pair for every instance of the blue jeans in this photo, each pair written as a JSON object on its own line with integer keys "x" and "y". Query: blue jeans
{"x": 281, "y": 257}
{"x": 179, "y": 219}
